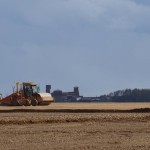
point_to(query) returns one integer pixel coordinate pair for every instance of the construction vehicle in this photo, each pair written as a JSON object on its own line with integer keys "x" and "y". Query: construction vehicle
{"x": 27, "y": 93}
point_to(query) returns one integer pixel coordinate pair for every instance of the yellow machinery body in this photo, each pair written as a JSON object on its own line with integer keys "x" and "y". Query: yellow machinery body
{"x": 27, "y": 93}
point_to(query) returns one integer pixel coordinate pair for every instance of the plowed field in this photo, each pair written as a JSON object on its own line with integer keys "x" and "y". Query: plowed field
{"x": 74, "y": 131}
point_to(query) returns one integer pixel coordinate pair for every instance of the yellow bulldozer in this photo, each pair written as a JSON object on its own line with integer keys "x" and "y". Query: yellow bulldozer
{"x": 26, "y": 94}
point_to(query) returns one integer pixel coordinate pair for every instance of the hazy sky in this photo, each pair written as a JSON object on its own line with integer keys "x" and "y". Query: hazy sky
{"x": 99, "y": 45}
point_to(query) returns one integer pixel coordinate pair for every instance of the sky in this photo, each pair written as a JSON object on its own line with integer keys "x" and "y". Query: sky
{"x": 98, "y": 45}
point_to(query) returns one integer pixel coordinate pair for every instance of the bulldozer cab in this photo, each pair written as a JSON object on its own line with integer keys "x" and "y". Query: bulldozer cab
{"x": 30, "y": 89}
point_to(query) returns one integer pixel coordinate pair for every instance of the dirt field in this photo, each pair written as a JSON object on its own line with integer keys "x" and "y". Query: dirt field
{"x": 74, "y": 131}
{"x": 78, "y": 107}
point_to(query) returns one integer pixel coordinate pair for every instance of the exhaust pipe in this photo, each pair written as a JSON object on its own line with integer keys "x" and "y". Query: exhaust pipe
{"x": 48, "y": 88}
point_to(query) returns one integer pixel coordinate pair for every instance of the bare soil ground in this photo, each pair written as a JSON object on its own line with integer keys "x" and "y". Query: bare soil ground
{"x": 81, "y": 107}
{"x": 74, "y": 131}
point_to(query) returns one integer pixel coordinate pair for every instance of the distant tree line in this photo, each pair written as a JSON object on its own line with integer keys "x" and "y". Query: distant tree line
{"x": 128, "y": 95}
